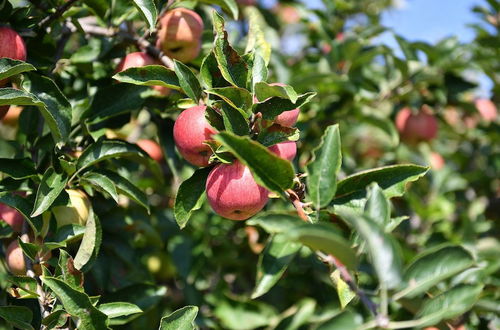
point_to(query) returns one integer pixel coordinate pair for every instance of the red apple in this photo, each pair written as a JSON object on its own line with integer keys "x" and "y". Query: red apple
{"x": 286, "y": 118}
{"x": 12, "y": 217}
{"x": 286, "y": 150}
{"x": 422, "y": 126}
{"x": 288, "y": 14}
{"x": 152, "y": 148}
{"x": 436, "y": 161}
{"x": 138, "y": 59}
{"x": 12, "y": 115}
{"x": 179, "y": 35}
{"x": 191, "y": 130}
{"x": 233, "y": 193}
{"x": 11, "y": 46}
{"x": 487, "y": 109}
{"x": 15, "y": 259}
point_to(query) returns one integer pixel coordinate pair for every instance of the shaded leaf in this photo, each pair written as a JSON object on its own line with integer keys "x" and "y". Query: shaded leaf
{"x": 147, "y": 8}
{"x": 181, "y": 319}
{"x": 190, "y": 196}
{"x": 10, "y": 67}
{"x": 49, "y": 189}
{"x": 188, "y": 81}
{"x": 18, "y": 168}
{"x": 91, "y": 243}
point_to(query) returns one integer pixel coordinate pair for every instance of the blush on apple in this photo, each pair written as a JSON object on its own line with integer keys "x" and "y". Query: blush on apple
{"x": 416, "y": 127}
{"x": 233, "y": 193}
{"x": 179, "y": 35}
{"x": 487, "y": 109}
{"x": 191, "y": 130}
{"x": 152, "y": 148}
{"x": 12, "y": 217}
{"x": 286, "y": 150}
{"x": 11, "y": 46}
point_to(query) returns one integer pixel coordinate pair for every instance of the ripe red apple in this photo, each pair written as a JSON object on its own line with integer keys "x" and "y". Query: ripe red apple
{"x": 422, "y": 126}
{"x": 286, "y": 118}
{"x": 179, "y": 35}
{"x": 77, "y": 212}
{"x": 436, "y": 160}
{"x": 191, "y": 130}
{"x": 138, "y": 59}
{"x": 152, "y": 148}
{"x": 286, "y": 150}
{"x": 11, "y": 46}
{"x": 233, "y": 193}
{"x": 12, "y": 217}
{"x": 487, "y": 109}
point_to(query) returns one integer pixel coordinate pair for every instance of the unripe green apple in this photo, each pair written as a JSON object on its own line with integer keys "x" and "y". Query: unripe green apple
{"x": 77, "y": 212}
{"x": 179, "y": 35}
{"x": 233, "y": 193}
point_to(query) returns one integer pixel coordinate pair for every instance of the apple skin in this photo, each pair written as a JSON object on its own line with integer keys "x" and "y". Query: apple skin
{"x": 286, "y": 118}
{"x": 436, "y": 161}
{"x": 487, "y": 109}
{"x": 12, "y": 217}
{"x": 152, "y": 148}
{"x": 16, "y": 262}
{"x": 191, "y": 129}
{"x": 11, "y": 46}
{"x": 179, "y": 35}
{"x": 286, "y": 150}
{"x": 3, "y": 110}
{"x": 233, "y": 193}
{"x": 77, "y": 213}
{"x": 138, "y": 59}
{"x": 413, "y": 128}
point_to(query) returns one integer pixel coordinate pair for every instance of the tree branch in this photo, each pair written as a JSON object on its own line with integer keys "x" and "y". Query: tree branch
{"x": 58, "y": 13}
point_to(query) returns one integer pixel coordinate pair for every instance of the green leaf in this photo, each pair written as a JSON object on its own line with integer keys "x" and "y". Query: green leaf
{"x": 391, "y": 179}
{"x": 114, "y": 100}
{"x": 98, "y": 6}
{"x": 55, "y": 319}
{"x": 49, "y": 189}
{"x": 274, "y": 106}
{"x": 344, "y": 320}
{"x": 10, "y": 67}
{"x": 91, "y": 242}
{"x": 214, "y": 118}
{"x": 147, "y": 8}
{"x": 377, "y": 206}
{"x": 238, "y": 98}
{"x": 234, "y": 121}
{"x": 69, "y": 273}
{"x": 259, "y": 71}
{"x": 29, "y": 249}
{"x": 77, "y": 304}
{"x": 271, "y": 135}
{"x": 117, "y": 309}
{"x": 346, "y": 295}
{"x": 268, "y": 170}
{"x": 264, "y": 91}
{"x": 210, "y": 75}
{"x": 324, "y": 237}
{"x": 190, "y": 196}
{"x": 19, "y": 317}
{"x": 275, "y": 223}
{"x": 449, "y": 304}
{"x": 149, "y": 75}
{"x": 24, "y": 206}
{"x": 100, "y": 182}
{"x": 188, "y": 81}
{"x": 383, "y": 249}
{"x": 256, "y": 36}
{"x": 273, "y": 262}
{"x": 18, "y": 168}
{"x": 181, "y": 319}
{"x": 433, "y": 266}
{"x": 127, "y": 188}
{"x": 228, "y": 6}
{"x": 232, "y": 67}
{"x": 302, "y": 315}
{"x": 323, "y": 169}
{"x": 26, "y": 286}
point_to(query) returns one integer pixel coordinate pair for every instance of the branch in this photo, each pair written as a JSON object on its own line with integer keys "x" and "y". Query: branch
{"x": 58, "y": 13}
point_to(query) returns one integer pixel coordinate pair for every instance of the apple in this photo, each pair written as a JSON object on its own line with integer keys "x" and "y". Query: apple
{"x": 3, "y": 110}
{"x": 138, "y": 59}
{"x": 152, "y": 148}
{"x": 288, "y": 14}
{"x": 233, "y": 193}
{"x": 286, "y": 150}
{"x": 179, "y": 35}
{"x": 16, "y": 262}
{"x": 487, "y": 109}
{"x": 11, "y": 46}
{"x": 77, "y": 212}
{"x": 436, "y": 160}
{"x": 412, "y": 127}
{"x": 12, "y": 217}
{"x": 11, "y": 117}
{"x": 286, "y": 118}
{"x": 191, "y": 130}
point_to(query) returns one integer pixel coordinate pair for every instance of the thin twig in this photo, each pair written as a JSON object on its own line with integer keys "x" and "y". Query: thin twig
{"x": 58, "y": 13}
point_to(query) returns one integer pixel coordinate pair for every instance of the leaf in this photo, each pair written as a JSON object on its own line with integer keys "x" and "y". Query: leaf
{"x": 232, "y": 67}
{"x": 274, "y": 106}
{"x": 49, "y": 189}
{"x": 391, "y": 179}
{"x": 264, "y": 91}
{"x": 273, "y": 262}
{"x": 190, "y": 196}
{"x": 268, "y": 170}
{"x": 10, "y": 67}
{"x": 324, "y": 237}
{"x": 346, "y": 295}
{"x": 210, "y": 75}
{"x": 433, "y": 266}
{"x": 18, "y": 168}
{"x": 275, "y": 223}
{"x": 344, "y": 320}
{"x": 114, "y": 100}
{"x": 259, "y": 71}
{"x": 256, "y": 36}
{"x": 55, "y": 319}
{"x": 24, "y": 205}
{"x": 29, "y": 249}
{"x": 18, "y": 316}
{"x": 91, "y": 242}
{"x": 383, "y": 249}
{"x": 101, "y": 182}
{"x": 377, "y": 206}
{"x": 149, "y": 75}
{"x": 449, "y": 304}
{"x": 77, "y": 304}
{"x": 181, "y": 319}
{"x": 272, "y": 135}
{"x": 228, "y": 6}
{"x": 70, "y": 274}
{"x": 98, "y": 6}
{"x": 147, "y": 9}
{"x": 117, "y": 309}
{"x": 238, "y": 98}
{"x": 323, "y": 170}
{"x": 188, "y": 81}
{"x": 234, "y": 121}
